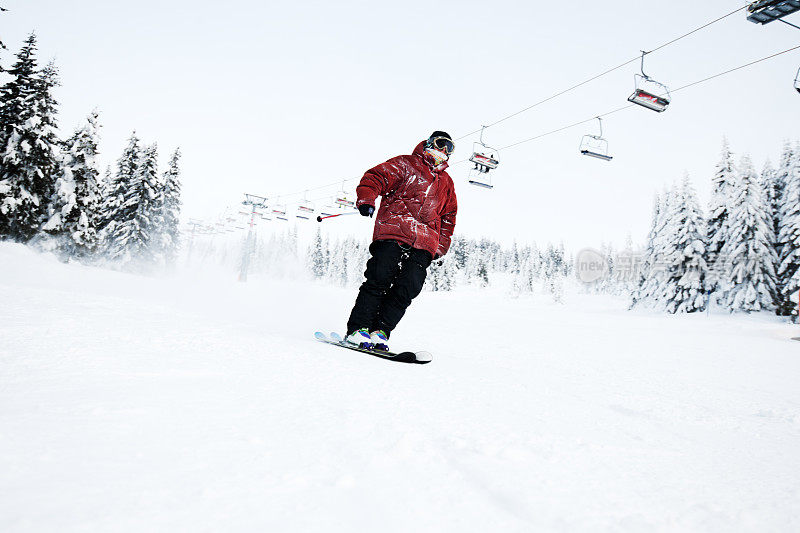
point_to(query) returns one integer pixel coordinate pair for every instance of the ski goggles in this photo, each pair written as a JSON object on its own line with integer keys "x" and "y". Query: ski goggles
{"x": 443, "y": 144}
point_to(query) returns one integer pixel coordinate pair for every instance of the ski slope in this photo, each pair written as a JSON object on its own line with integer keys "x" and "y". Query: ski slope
{"x": 194, "y": 403}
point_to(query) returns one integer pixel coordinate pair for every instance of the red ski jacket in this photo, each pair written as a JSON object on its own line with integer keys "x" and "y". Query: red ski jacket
{"x": 418, "y": 206}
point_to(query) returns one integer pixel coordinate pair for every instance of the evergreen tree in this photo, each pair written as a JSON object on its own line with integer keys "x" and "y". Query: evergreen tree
{"x": 458, "y": 250}
{"x": 628, "y": 263}
{"x": 440, "y": 275}
{"x": 772, "y": 195}
{"x": 483, "y": 273}
{"x": 749, "y": 255}
{"x": 779, "y": 185}
{"x": 433, "y": 280}
{"x": 74, "y": 210}
{"x": 121, "y": 203}
{"x": 170, "y": 209}
{"x": 337, "y": 270}
{"x": 447, "y": 278}
{"x": 652, "y": 272}
{"x": 722, "y": 186}
{"x": 789, "y": 237}
{"x": 144, "y": 245}
{"x": 29, "y": 147}
{"x": 316, "y": 258}
{"x": 685, "y": 283}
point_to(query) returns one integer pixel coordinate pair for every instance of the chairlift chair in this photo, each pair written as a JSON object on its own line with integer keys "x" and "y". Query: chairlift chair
{"x": 484, "y": 158}
{"x": 648, "y": 92}
{"x": 797, "y": 81}
{"x": 596, "y": 145}
{"x": 343, "y": 199}
{"x": 766, "y": 11}
{"x": 279, "y": 211}
{"x": 305, "y": 209}
{"x": 329, "y": 208}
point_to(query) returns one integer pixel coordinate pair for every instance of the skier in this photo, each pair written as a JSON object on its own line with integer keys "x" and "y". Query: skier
{"x": 414, "y": 226}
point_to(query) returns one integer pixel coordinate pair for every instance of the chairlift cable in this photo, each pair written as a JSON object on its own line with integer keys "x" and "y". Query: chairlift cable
{"x": 609, "y": 71}
{"x": 565, "y": 91}
{"x": 607, "y": 113}
{"x": 737, "y": 68}
{"x": 704, "y": 26}
{"x": 540, "y": 102}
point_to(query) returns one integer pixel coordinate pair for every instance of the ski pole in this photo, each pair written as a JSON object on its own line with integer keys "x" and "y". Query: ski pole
{"x": 321, "y": 218}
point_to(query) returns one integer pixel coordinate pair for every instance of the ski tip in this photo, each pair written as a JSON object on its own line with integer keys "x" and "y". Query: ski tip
{"x": 423, "y": 357}
{"x": 320, "y": 336}
{"x": 335, "y": 336}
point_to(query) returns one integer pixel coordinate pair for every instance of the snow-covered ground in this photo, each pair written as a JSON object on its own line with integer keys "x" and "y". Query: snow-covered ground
{"x": 194, "y": 403}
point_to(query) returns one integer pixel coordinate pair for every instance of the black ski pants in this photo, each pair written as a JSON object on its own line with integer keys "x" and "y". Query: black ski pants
{"x": 395, "y": 275}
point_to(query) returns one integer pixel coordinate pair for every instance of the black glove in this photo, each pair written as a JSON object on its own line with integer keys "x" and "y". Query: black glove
{"x": 366, "y": 210}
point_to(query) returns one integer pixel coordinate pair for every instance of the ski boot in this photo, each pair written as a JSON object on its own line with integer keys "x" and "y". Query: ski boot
{"x": 379, "y": 340}
{"x": 360, "y": 338}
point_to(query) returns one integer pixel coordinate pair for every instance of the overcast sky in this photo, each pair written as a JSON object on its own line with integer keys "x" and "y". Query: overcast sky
{"x": 276, "y": 97}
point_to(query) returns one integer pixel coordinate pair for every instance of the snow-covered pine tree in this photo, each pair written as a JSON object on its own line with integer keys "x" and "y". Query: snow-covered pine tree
{"x": 118, "y": 205}
{"x": 483, "y": 273}
{"x": 722, "y": 185}
{"x": 458, "y": 251}
{"x": 433, "y": 279}
{"x": 627, "y": 263}
{"x": 447, "y": 280}
{"x": 748, "y": 253}
{"x": 523, "y": 264}
{"x": 169, "y": 232}
{"x": 514, "y": 260}
{"x": 15, "y": 108}
{"x": 653, "y": 269}
{"x": 337, "y": 271}
{"x": 788, "y": 271}
{"x": 29, "y": 147}
{"x": 772, "y": 193}
{"x": 120, "y": 208}
{"x": 74, "y": 209}
{"x": 441, "y": 273}
{"x": 638, "y": 294}
{"x": 553, "y": 271}
{"x": 608, "y": 284}
{"x": 769, "y": 190}
{"x": 316, "y": 259}
{"x": 358, "y": 254}
{"x": 779, "y": 184}
{"x": 150, "y": 208}
{"x": 686, "y": 270}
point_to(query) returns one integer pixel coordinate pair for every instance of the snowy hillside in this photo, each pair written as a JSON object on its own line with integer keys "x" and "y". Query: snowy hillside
{"x": 195, "y": 403}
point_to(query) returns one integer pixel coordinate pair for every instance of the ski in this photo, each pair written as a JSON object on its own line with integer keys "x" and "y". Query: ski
{"x": 335, "y": 339}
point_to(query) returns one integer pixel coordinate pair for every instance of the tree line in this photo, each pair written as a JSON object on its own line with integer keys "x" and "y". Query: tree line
{"x": 51, "y": 191}
{"x": 743, "y": 255}
{"x": 469, "y": 262}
